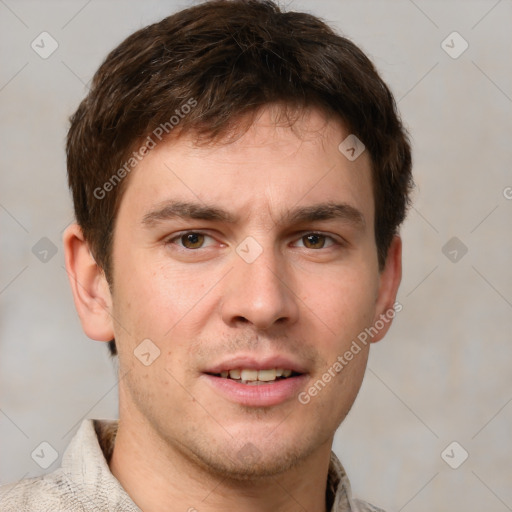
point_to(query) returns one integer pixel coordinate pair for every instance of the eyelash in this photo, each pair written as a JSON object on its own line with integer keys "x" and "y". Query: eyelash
{"x": 172, "y": 240}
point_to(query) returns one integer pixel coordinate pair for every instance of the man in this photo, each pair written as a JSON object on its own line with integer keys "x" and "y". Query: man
{"x": 239, "y": 175}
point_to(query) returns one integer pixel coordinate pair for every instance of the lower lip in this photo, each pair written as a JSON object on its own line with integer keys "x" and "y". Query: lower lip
{"x": 260, "y": 395}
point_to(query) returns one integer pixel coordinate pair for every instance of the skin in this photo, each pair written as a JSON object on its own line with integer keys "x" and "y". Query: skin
{"x": 179, "y": 439}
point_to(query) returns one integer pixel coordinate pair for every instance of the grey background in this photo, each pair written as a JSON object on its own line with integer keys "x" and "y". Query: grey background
{"x": 443, "y": 372}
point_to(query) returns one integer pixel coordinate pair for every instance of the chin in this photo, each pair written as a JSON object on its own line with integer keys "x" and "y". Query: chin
{"x": 250, "y": 467}
{"x": 250, "y": 461}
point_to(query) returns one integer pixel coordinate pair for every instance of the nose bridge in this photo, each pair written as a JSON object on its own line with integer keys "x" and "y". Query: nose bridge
{"x": 262, "y": 273}
{"x": 257, "y": 291}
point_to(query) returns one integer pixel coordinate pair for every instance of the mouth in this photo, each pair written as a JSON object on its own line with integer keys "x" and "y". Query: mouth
{"x": 261, "y": 382}
{"x": 253, "y": 377}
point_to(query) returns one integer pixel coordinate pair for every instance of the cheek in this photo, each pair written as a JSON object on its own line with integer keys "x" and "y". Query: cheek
{"x": 155, "y": 300}
{"x": 343, "y": 304}
{"x": 140, "y": 301}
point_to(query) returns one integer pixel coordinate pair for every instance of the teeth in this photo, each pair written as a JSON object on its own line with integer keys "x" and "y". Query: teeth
{"x": 249, "y": 375}
{"x": 234, "y": 374}
{"x": 267, "y": 375}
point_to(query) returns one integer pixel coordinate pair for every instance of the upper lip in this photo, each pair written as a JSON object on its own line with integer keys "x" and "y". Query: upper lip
{"x": 257, "y": 363}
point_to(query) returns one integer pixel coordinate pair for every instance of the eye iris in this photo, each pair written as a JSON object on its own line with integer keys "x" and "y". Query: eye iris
{"x": 314, "y": 241}
{"x": 192, "y": 240}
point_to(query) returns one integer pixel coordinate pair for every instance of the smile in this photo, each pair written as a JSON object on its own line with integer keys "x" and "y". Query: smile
{"x": 253, "y": 377}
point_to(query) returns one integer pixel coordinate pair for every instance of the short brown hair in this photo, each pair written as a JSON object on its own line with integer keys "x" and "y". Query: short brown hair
{"x": 227, "y": 59}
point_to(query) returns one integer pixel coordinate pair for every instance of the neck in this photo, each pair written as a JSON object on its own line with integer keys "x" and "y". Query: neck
{"x": 154, "y": 473}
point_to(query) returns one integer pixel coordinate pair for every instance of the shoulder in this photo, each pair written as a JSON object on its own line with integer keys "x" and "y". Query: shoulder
{"x": 338, "y": 487}
{"x": 363, "y": 506}
{"x": 54, "y": 491}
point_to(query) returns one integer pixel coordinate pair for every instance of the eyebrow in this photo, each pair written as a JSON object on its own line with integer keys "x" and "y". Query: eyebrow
{"x": 169, "y": 210}
{"x": 326, "y": 211}
{"x": 186, "y": 210}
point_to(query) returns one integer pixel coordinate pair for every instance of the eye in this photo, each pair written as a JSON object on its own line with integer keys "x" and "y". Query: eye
{"x": 317, "y": 241}
{"x": 190, "y": 240}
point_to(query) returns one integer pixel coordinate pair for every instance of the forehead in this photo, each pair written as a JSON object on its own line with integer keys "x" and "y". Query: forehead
{"x": 269, "y": 168}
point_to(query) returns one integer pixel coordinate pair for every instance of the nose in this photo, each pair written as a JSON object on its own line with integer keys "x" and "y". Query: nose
{"x": 260, "y": 292}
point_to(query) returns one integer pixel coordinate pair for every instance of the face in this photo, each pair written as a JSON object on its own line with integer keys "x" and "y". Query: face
{"x": 249, "y": 260}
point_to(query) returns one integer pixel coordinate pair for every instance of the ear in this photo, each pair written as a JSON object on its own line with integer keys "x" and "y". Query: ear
{"x": 390, "y": 278}
{"x": 89, "y": 285}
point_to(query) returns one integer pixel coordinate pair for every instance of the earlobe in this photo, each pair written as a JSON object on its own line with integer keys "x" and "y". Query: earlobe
{"x": 89, "y": 286}
{"x": 390, "y": 278}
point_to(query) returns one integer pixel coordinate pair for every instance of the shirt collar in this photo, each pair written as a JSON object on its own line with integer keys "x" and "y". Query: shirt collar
{"x": 87, "y": 468}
